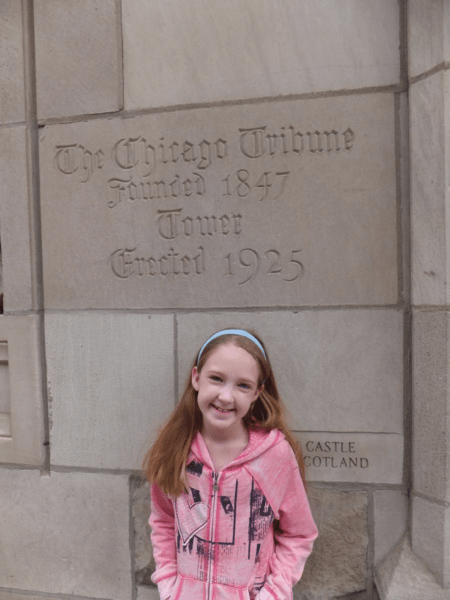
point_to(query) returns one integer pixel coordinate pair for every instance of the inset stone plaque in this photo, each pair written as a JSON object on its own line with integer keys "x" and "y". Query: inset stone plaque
{"x": 353, "y": 457}
{"x": 277, "y": 204}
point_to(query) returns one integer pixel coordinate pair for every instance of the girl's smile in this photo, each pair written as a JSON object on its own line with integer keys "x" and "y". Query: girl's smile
{"x": 227, "y": 385}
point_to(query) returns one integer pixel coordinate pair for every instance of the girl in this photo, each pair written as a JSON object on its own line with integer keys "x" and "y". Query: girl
{"x": 230, "y": 518}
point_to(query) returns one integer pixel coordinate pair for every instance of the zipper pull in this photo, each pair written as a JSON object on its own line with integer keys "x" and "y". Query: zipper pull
{"x": 215, "y": 484}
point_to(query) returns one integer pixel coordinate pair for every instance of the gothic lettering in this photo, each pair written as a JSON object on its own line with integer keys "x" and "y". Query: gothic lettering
{"x": 257, "y": 142}
{"x": 126, "y": 190}
{"x": 75, "y": 157}
{"x": 126, "y": 263}
{"x": 171, "y": 225}
{"x": 138, "y": 153}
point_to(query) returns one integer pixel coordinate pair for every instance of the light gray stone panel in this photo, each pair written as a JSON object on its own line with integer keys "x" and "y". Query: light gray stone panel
{"x": 77, "y": 57}
{"x": 110, "y": 382}
{"x": 65, "y": 534}
{"x": 431, "y": 467}
{"x": 12, "y": 86}
{"x": 223, "y": 207}
{"x": 391, "y": 520}
{"x": 428, "y": 35}
{"x": 182, "y": 53}
{"x": 429, "y": 143}
{"x": 337, "y": 565}
{"x": 15, "y": 221}
{"x": 403, "y": 576}
{"x": 353, "y": 457}
{"x": 431, "y": 537}
{"x": 22, "y": 435}
{"x": 337, "y": 371}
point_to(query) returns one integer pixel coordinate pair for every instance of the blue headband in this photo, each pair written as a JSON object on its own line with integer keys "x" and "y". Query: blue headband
{"x": 240, "y": 332}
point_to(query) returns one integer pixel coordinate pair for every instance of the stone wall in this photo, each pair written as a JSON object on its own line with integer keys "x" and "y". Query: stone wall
{"x": 172, "y": 168}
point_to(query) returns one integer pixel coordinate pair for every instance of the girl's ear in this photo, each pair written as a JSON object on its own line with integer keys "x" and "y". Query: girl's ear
{"x": 194, "y": 378}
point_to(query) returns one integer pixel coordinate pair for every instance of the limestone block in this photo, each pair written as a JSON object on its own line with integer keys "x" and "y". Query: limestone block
{"x": 146, "y": 592}
{"x": 15, "y": 221}
{"x": 430, "y": 136}
{"x": 403, "y": 576}
{"x": 77, "y": 57}
{"x": 337, "y": 371}
{"x": 65, "y": 534}
{"x": 391, "y": 521}
{"x": 223, "y": 207}
{"x": 21, "y": 423}
{"x": 428, "y": 35}
{"x": 12, "y": 86}
{"x": 337, "y": 565}
{"x": 143, "y": 552}
{"x": 431, "y": 469}
{"x": 353, "y": 457}
{"x": 182, "y": 53}
{"x": 110, "y": 382}
{"x": 431, "y": 537}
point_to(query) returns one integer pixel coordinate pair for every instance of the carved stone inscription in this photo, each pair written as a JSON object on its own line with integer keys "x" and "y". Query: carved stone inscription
{"x": 353, "y": 457}
{"x": 287, "y": 203}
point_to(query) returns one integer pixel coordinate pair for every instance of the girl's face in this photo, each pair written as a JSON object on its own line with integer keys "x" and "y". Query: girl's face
{"x": 226, "y": 386}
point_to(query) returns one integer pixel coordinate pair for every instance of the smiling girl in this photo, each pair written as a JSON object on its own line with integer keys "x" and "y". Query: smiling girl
{"x": 230, "y": 517}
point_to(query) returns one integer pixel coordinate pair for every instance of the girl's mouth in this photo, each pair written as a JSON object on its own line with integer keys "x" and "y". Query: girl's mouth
{"x": 223, "y": 410}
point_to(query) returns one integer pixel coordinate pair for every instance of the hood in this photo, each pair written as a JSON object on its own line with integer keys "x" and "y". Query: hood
{"x": 258, "y": 443}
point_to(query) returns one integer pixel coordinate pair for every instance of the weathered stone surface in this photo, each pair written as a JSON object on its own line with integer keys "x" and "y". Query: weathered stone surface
{"x": 65, "y": 534}
{"x": 215, "y": 51}
{"x": 243, "y": 217}
{"x": 403, "y": 576}
{"x": 146, "y": 592}
{"x": 430, "y": 137}
{"x": 16, "y": 596}
{"x": 143, "y": 552}
{"x": 15, "y": 221}
{"x": 358, "y": 596}
{"x": 431, "y": 537}
{"x": 391, "y": 520}
{"x": 428, "y": 35}
{"x": 21, "y": 349}
{"x": 353, "y": 457}
{"x": 337, "y": 371}
{"x": 12, "y": 87}
{"x": 110, "y": 382}
{"x": 337, "y": 565}
{"x": 431, "y": 468}
{"x": 77, "y": 57}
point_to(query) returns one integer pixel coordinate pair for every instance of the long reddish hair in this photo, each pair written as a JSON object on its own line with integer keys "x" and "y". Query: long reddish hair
{"x": 165, "y": 462}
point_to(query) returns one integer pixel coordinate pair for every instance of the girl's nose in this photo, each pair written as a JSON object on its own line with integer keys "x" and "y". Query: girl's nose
{"x": 226, "y": 392}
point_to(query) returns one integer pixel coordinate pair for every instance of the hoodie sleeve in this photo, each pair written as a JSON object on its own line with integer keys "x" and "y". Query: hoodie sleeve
{"x": 293, "y": 544}
{"x": 162, "y": 522}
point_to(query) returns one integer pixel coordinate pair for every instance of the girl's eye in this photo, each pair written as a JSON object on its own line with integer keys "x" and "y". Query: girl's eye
{"x": 244, "y": 385}
{"x": 216, "y": 378}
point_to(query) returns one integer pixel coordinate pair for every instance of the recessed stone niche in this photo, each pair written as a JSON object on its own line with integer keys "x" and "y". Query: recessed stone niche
{"x": 21, "y": 402}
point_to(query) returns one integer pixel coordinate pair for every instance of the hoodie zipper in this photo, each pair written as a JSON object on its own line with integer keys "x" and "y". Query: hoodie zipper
{"x": 215, "y": 477}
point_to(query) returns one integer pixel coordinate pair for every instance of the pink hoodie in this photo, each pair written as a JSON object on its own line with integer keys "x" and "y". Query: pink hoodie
{"x": 217, "y": 541}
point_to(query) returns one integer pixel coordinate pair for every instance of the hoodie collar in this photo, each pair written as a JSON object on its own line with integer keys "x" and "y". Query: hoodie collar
{"x": 259, "y": 440}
